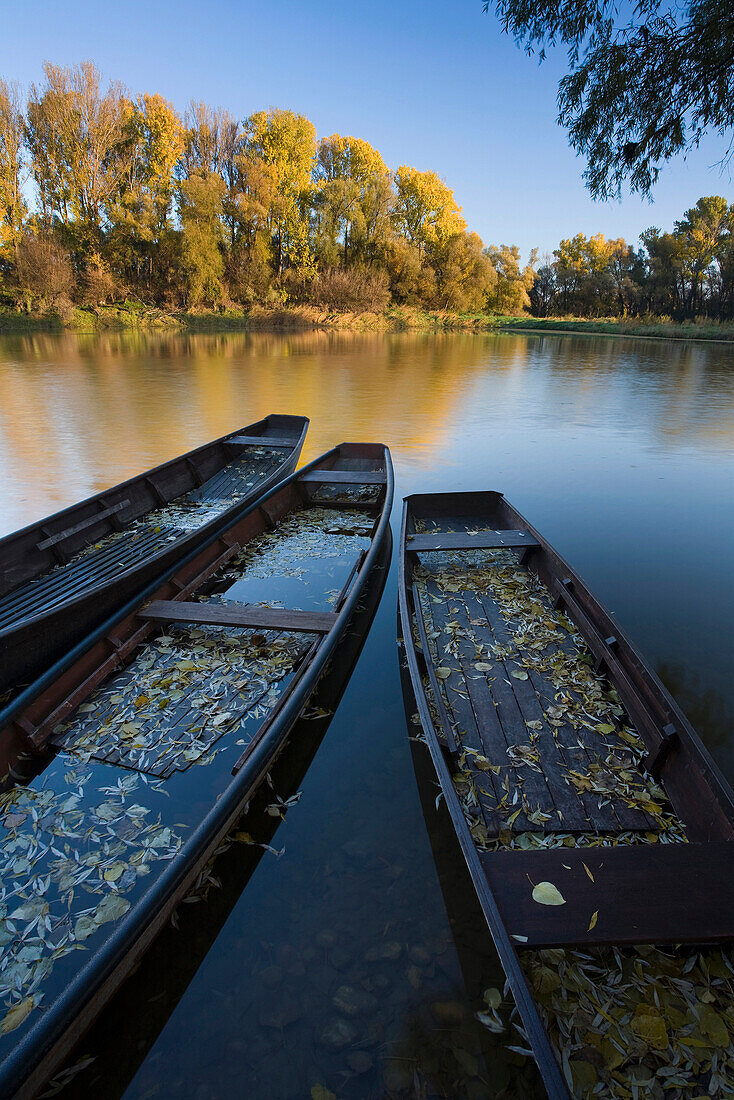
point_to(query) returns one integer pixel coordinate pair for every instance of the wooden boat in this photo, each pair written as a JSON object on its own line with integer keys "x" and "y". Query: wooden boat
{"x": 148, "y": 740}
{"x": 61, "y": 577}
{"x": 589, "y": 814}
{"x": 127, "y": 1029}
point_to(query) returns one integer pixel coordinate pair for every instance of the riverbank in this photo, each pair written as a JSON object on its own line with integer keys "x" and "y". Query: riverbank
{"x": 308, "y": 318}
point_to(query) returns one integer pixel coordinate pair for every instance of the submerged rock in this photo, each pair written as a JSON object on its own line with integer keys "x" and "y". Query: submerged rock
{"x": 280, "y": 1015}
{"x": 390, "y": 950}
{"x": 354, "y": 1002}
{"x": 336, "y": 1034}
{"x": 419, "y": 955}
{"x": 359, "y": 1061}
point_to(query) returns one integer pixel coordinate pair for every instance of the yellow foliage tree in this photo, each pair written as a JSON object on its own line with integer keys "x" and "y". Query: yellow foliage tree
{"x": 285, "y": 144}
{"x": 425, "y": 209}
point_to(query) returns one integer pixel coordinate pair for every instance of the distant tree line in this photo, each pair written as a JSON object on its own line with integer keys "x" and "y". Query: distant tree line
{"x": 107, "y": 197}
{"x": 685, "y": 274}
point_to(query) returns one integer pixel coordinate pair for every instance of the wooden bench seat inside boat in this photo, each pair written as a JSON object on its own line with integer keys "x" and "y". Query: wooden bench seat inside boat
{"x": 216, "y": 614}
{"x": 640, "y": 893}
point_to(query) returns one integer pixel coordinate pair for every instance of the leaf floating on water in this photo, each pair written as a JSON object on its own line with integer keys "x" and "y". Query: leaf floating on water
{"x": 114, "y": 871}
{"x": 545, "y": 893}
{"x": 592, "y": 922}
{"x": 588, "y": 872}
{"x": 17, "y": 1014}
{"x": 110, "y": 908}
{"x": 85, "y": 926}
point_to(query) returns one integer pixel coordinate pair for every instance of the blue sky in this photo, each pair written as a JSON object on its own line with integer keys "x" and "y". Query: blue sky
{"x": 432, "y": 84}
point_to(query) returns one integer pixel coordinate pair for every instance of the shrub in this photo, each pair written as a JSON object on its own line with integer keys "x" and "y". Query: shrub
{"x": 98, "y": 284}
{"x": 357, "y": 289}
{"x": 43, "y": 269}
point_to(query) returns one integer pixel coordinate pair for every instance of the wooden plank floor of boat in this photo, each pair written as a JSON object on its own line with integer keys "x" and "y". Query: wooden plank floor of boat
{"x": 490, "y": 707}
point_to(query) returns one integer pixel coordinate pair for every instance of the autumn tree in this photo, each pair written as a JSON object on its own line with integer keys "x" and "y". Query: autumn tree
{"x": 141, "y": 213}
{"x": 200, "y": 200}
{"x": 425, "y": 211}
{"x": 13, "y": 208}
{"x": 465, "y": 274}
{"x": 280, "y": 146}
{"x": 352, "y": 201}
{"x": 80, "y": 140}
{"x": 43, "y": 271}
{"x": 701, "y": 232}
{"x": 511, "y": 291}
{"x": 412, "y": 278}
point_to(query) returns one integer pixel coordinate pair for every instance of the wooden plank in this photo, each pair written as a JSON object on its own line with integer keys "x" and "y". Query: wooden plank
{"x": 345, "y": 477}
{"x": 462, "y": 540}
{"x": 571, "y": 813}
{"x": 641, "y": 893}
{"x": 448, "y": 728}
{"x": 578, "y": 748}
{"x": 88, "y": 522}
{"x": 260, "y": 441}
{"x": 499, "y": 718}
{"x": 488, "y": 784}
{"x": 215, "y": 614}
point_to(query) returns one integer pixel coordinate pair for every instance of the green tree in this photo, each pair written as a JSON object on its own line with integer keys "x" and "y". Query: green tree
{"x": 645, "y": 82}
{"x": 200, "y": 199}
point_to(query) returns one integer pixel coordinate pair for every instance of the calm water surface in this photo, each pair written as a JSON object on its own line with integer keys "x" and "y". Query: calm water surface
{"x": 620, "y": 451}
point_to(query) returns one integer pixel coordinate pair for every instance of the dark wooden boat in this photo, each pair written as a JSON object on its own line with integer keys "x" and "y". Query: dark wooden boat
{"x": 129, "y": 761}
{"x": 127, "y": 1029}
{"x": 61, "y": 577}
{"x": 590, "y": 816}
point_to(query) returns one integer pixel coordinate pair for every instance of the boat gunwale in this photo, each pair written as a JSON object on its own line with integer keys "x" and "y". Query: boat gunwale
{"x": 26, "y": 1067}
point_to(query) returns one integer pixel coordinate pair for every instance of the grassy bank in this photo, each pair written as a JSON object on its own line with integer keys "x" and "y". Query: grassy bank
{"x": 133, "y": 316}
{"x": 663, "y": 329}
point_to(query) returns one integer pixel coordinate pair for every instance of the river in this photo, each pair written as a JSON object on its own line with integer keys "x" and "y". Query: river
{"x": 620, "y": 451}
